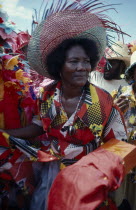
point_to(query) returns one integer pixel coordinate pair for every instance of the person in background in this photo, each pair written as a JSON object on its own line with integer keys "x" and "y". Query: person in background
{"x": 129, "y": 110}
{"x": 117, "y": 61}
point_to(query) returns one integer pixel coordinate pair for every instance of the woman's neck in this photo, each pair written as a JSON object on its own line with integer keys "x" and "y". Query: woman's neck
{"x": 69, "y": 91}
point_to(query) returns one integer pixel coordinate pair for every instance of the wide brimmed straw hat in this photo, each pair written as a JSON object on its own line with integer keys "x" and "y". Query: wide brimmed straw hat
{"x": 132, "y": 63}
{"x": 118, "y": 51}
{"x": 73, "y": 21}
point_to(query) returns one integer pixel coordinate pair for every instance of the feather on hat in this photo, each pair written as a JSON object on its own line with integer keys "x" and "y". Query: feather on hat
{"x": 80, "y": 19}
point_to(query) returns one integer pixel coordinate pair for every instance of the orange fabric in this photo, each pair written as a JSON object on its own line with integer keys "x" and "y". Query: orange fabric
{"x": 45, "y": 157}
{"x": 124, "y": 150}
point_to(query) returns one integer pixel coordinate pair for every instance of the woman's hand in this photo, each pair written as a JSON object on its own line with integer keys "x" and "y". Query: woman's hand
{"x": 122, "y": 102}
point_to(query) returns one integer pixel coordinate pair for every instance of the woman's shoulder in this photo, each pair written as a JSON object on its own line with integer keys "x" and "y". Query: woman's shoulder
{"x": 47, "y": 90}
{"x": 102, "y": 94}
{"x": 99, "y": 89}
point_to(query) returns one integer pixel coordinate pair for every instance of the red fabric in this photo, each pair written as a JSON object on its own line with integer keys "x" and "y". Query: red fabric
{"x": 22, "y": 39}
{"x": 101, "y": 64}
{"x": 10, "y": 110}
{"x": 85, "y": 184}
{"x": 19, "y": 168}
{"x": 3, "y": 142}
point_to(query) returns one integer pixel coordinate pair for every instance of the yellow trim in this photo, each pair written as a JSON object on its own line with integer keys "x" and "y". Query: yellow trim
{"x": 53, "y": 153}
{"x": 6, "y": 135}
{"x": 94, "y": 94}
{"x": 62, "y": 166}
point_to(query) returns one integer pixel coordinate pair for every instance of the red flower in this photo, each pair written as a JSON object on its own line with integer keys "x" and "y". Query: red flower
{"x": 13, "y": 23}
{"x": 1, "y": 20}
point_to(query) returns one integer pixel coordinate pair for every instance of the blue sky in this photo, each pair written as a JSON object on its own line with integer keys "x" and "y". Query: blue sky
{"x": 20, "y": 12}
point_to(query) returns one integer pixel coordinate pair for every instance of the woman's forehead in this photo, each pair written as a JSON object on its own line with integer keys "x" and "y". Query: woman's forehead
{"x": 76, "y": 51}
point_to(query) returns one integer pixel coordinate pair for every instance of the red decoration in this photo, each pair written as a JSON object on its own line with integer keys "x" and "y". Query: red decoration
{"x": 1, "y": 20}
{"x": 85, "y": 184}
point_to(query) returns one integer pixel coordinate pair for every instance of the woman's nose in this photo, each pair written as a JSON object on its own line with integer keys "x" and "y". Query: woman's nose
{"x": 81, "y": 66}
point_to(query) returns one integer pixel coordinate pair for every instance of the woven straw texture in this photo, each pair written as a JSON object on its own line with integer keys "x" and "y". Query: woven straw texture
{"x": 118, "y": 51}
{"x": 59, "y": 27}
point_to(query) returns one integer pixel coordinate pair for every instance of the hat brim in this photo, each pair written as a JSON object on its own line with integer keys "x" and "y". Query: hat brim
{"x": 96, "y": 34}
{"x": 126, "y": 59}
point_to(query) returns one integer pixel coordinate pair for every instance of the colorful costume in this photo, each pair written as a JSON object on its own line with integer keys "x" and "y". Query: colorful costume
{"x": 16, "y": 111}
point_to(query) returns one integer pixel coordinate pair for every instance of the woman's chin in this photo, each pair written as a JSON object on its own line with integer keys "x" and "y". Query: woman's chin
{"x": 80, "y": 83}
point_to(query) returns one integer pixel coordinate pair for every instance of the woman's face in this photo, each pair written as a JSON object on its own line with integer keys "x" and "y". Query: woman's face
{"x": 76, "y": 68}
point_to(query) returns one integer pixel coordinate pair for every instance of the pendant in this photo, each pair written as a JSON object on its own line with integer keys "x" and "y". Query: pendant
{"x": 71, "y": 130}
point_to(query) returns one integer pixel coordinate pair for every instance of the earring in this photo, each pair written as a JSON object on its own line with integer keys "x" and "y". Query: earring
{"x": 122, "y": 76}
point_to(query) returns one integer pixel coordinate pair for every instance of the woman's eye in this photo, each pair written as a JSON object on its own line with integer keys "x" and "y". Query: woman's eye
{"x": 87, "y": 61}
{"x": 74, "y": 61}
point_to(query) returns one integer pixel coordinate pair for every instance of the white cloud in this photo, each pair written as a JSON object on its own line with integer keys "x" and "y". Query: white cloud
{"x": 10, "y": 6}
{"x": 20, "y": 15}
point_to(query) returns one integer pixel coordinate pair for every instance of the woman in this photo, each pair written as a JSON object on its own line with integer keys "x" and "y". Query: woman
{"x": 76, "y": 116}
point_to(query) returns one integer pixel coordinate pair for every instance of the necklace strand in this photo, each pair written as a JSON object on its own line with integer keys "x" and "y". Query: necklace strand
{"x": 77, "y": 107}
{"x": 70, "y": 128}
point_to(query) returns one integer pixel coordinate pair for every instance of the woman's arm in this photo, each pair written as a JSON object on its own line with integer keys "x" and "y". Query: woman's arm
{"x": 27, "y": 132}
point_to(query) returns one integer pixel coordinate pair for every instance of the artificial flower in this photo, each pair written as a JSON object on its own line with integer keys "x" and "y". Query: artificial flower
{"x": 9, "y": 64}
{"x": 132, "y": 119}
{"x": 19, "y": 74}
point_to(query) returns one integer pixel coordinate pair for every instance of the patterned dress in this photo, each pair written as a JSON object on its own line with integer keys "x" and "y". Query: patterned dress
{"x": 97, "y": 120}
